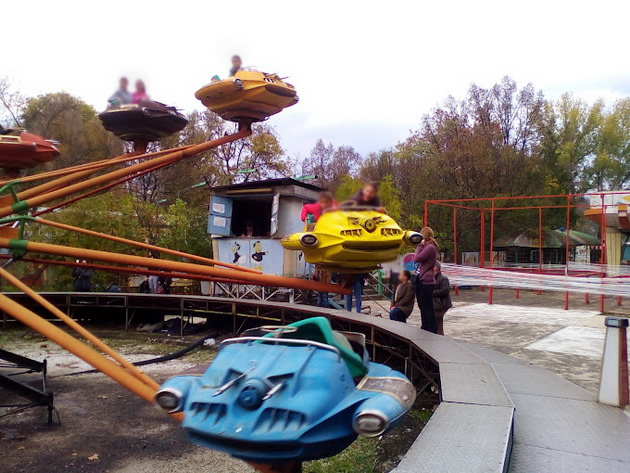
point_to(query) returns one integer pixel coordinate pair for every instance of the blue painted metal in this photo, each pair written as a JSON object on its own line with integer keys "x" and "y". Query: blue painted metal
{"x": 269, "y": 400}
{"x": 220, "y": 218}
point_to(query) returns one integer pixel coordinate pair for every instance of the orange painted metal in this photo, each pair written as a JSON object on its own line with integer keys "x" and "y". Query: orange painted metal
{"x": 89, "y": 336}
{"x": 25, "y": 150}
{"x": 250, "y": 278}
{"x": 146, "y": 246}
{"x": 98, "y": 190}
{"x": 106, "y": 178}
{"x": 78, "y": 348}
{"x": 62, "y": 182}
{"x": 52, "y": 185}
{"x": 100, "y": 164}
{"x": 122, "y": 269}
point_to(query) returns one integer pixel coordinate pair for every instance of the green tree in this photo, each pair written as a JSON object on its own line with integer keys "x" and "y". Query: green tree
{"x": 221, "y": 165}
{"x": 74, "y": 124}
{"x": 110, "y": 213}
{"x": 609, "y": 168}
{"x": 570, "y": 132}
{"x": 186, "y": 229}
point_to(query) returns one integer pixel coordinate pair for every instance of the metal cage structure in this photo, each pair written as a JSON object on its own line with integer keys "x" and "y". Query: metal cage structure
{"x": 489, "y": 207}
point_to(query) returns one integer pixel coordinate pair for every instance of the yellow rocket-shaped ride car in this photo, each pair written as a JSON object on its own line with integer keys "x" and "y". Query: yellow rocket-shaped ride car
{"x": 352, "y": 240}
{"x": 248, "y": 96}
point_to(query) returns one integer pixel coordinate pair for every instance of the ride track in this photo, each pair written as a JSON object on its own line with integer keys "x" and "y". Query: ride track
{"x": 72, "y": 184}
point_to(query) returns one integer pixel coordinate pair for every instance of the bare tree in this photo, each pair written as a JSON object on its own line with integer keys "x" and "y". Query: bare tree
{"x": 12, "y": 103}
{"x": 330, "y": 164}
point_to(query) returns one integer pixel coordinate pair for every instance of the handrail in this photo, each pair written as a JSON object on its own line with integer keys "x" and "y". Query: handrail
{"x": 380, "y": 287}
{"x": 276, "y": 341}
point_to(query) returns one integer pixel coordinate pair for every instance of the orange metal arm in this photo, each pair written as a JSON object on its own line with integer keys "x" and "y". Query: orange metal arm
{"x": 100, "y": 164}
{"x": 122, "y": 269}
{"x": 146, "y": 246}
{"x": 98, "y": 190}
{"x": 261, "y": 279}
{"x": 105, "y": 178}
{"x": 89, "y": 336}
{"x": 80, "y": 349}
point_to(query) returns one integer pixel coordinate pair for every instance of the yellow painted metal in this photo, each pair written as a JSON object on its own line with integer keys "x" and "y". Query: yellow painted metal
{"x": 248, "y": 94}
{"x": 356, "y": 240}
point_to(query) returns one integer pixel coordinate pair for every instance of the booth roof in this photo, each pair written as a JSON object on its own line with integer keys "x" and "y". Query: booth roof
{"x": 550, "y": 239}
{"x": 285, "y": 181}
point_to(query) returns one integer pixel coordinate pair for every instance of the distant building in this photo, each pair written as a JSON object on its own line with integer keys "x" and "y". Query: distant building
{"x": 523, "y": 247}
{"x": 617, "y": 221}
{"x": 272, "y": 207}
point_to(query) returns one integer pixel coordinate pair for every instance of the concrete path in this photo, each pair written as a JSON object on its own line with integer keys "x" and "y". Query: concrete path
{"x": 566, "y": 342}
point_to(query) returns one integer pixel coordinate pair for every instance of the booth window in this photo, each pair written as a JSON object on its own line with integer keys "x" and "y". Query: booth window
{"x": 254, "y": 210}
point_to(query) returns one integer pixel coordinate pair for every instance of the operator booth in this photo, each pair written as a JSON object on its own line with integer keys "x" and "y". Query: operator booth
{"x": 247, "y": 220}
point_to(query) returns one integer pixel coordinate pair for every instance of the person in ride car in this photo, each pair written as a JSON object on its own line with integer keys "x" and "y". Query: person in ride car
{"x": 122, "y": 96}
{"x": 141, "y": 92}
{"x": 311, "y": 212}
{"x": 236, "y": 64}
{"x": 368, "y": 197}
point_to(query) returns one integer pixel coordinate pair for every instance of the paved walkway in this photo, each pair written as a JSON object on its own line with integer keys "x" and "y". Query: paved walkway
{"x": 558, "y": 426}
{"x": 566, "y": 342}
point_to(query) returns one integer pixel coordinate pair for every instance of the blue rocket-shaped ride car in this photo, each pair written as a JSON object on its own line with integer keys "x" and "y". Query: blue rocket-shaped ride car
{"x": 300, "y": 392}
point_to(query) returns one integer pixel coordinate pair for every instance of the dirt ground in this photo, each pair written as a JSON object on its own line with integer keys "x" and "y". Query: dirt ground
{"x": 105, "y": 428}
{"x": 554, "y": 300}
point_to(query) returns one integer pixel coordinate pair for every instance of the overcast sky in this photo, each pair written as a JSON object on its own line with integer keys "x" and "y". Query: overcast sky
{"x": 365, "y": 71}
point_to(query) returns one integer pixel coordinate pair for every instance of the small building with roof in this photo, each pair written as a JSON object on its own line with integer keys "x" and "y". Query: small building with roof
{"x": 247, "y": 220}
{"x": 523, "y": 247}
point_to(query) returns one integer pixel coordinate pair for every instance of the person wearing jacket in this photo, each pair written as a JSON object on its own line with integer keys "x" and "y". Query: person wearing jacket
{"x": 82, "y": 279}
{"x": 311, "y": 212}
{"x": 441, "y": 297}
{"x": 122, "y": 96}
{"x": 140, "y": 94}
{"x": 426, "y": 257}
{"x": 366, "y": 197}
{"x": 403, "y": 299}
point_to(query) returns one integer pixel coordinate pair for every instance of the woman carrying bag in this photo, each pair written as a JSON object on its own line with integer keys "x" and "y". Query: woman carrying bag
{"x": 426, "y": 257}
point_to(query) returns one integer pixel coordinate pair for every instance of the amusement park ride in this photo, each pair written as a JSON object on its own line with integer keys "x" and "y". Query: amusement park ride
{"x": 274, "y": 398}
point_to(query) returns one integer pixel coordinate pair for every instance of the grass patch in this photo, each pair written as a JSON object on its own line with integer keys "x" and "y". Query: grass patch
{"x": 359, "y": 457}
{"x": 423, "y": 414}
{"x": 19, "y": 335}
